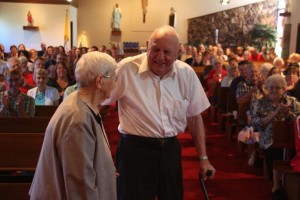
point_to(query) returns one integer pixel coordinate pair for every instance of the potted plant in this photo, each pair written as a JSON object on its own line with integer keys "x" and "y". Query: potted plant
{"x": 263, "y": 35}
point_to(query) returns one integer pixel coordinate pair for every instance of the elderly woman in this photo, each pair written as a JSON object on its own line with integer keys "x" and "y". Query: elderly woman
{"x": 233, "y": 72}
{"x": 274, "y": 106}
{"x": 43, "y": 94}
{"x": 292, "y": 76}
{"x": 215, "y": 77}
{"x": 13, "y": 102}
{"x": 274, "y": 70}
{"x": 264, "y": 71}
{"x": 75, "y": 161}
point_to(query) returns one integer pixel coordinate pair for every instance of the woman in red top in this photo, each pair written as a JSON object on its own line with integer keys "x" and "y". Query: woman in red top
{"x": 214, "y": 78}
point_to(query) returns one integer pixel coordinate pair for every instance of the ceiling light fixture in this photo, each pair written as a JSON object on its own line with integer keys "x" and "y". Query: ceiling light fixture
{"x": 224, "y": 2}
{"x": 69, "y": 0}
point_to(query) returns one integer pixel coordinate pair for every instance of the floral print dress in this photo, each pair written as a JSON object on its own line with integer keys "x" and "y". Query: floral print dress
{"x": 263, "y": 108}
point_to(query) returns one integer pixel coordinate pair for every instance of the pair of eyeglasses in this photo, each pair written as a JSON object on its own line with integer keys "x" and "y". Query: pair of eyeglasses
{"x": 275, "y": 88}
{"x": 13, "y": 80}
{"x": 15, "y": 66}
{"x": 107, "y": 76}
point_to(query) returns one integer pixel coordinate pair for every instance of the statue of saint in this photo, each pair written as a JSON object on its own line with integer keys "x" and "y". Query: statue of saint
{"x": 116, "y": 18}
{"x": 29, "y": 19}
{"x": 172, "y": 17}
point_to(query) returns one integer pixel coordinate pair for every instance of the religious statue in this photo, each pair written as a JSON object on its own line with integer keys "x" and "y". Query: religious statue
{"x": 144, "y": 7}
{"x": 116, "y": 18}
{"x": 29, "y": 19}
{"x": 172, "y": 17}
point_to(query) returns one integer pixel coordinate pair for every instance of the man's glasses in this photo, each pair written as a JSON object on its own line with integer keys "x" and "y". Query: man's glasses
{"x": 112, "y": 77}
{"x": 14, "y": 80}
{"x": 15, "y": 66}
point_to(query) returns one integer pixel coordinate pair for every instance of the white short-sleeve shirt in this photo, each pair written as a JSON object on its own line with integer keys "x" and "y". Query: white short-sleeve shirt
{"x": 154, "y": 107}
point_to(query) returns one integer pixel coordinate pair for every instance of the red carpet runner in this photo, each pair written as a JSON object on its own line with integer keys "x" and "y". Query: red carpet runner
{"x": 234, "y": 179}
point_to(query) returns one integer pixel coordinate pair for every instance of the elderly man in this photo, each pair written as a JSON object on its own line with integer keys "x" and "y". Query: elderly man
{"x": 242, "y": 67}
{"x": 248, "y": 92}
{"x": 251, "y": 89}
{"x": 3, "y": 64}
{"x": 27, "y": 75}
{"x": 158, "y": 96}
{"x": 13, "y": 102}
{"x": 75, "y": 160}
{"x": 20, "y": 64}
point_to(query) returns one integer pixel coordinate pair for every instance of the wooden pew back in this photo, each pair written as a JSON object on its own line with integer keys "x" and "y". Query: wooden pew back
{"x": 20, "y": 151}
{"x": 23, "y": 124}
{"x": 222, "y": 98}
{"x": 45, "y": 111}
{"x": 283, "y": 134}
{"x": 21, "y": 140}
{"x": 12, "y": 191}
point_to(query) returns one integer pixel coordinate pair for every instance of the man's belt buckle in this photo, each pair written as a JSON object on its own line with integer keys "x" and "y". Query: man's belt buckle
{"x": 161, "y": 141}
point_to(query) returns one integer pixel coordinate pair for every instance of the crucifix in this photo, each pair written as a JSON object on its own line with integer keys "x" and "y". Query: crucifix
{"x": 144, "y": 7}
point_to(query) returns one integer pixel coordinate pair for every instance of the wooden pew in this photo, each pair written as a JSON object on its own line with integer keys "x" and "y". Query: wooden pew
{"x": 12, "y": 191}
{"x": 222, "y": 99}
{"x": 21, "y": 139}
{"x": 283, "y": 134}
{"x": 231, "y": 106}
{"x": 45, "y": 111}
{"x": 19, "y": 153}
{"x": 283, "y": 137}
{"x": 23, "y": 124}
{"x": 222, "y": 107}
{"x": 199, "y": 70}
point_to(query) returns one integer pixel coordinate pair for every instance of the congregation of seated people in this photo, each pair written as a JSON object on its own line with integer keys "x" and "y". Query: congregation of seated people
{"x": 45, "y": 75}
{"x": 266, "y": 84}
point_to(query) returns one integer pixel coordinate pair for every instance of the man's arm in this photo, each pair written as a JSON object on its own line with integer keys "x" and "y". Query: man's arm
{"x": 196, "y": 128}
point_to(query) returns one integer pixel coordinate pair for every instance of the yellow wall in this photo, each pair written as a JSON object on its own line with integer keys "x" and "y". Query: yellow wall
{"x": 94, "y": 18}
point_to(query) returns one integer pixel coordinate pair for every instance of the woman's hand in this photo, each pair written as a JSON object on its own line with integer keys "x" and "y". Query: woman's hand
{"x": 283, "y": 109}
{"x": 20, "y": 101}
{"x": 6, "y": 101}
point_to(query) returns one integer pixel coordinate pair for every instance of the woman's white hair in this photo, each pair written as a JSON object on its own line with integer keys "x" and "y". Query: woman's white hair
{"x": 93, "y": 64}
{"x": 265, "y": 67}
{"x": 277, "y": 60}
{"x": 276, "y": 78}
{"x": 41, "y": 72}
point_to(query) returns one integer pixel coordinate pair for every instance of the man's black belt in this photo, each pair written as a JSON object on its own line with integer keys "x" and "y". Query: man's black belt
{"x": 149, "y": 140}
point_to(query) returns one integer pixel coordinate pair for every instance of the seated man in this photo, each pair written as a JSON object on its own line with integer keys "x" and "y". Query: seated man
{"x": 13, "y": 102}
{"x": 250, "y": 90}
{"x": 247, "y": 94}
{"x": 242, "y": 66}
{"x": 27, "y": 75}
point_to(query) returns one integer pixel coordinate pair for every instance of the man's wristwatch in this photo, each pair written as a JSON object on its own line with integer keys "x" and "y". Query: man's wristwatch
{"x": 203, "y": 158}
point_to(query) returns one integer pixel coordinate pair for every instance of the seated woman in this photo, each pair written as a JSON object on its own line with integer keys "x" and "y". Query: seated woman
{"x": 61, "y": 79}
{"x": 43, "y": 94}
{"x": 274, "y": 70}
{"x": 292, "y": 77}
{"x": 214, "y": 78}
{"x": 274, "y": 106}
{"x": 233, "y": 72}
{"x": 279, "y": 63}
{"x": 13, "y": 102}
{"x": 264, "y": 71}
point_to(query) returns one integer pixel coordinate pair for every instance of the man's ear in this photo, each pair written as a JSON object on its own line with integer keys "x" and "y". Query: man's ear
{"x": 98, "y": 81}
{"x": 179, "y": 52}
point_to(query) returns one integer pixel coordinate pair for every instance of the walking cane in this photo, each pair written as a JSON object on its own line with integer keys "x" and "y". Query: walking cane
{"x": 208, "y": 174}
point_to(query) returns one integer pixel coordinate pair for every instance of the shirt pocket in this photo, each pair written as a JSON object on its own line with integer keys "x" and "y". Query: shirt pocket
{"x": 180, "y": 109}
